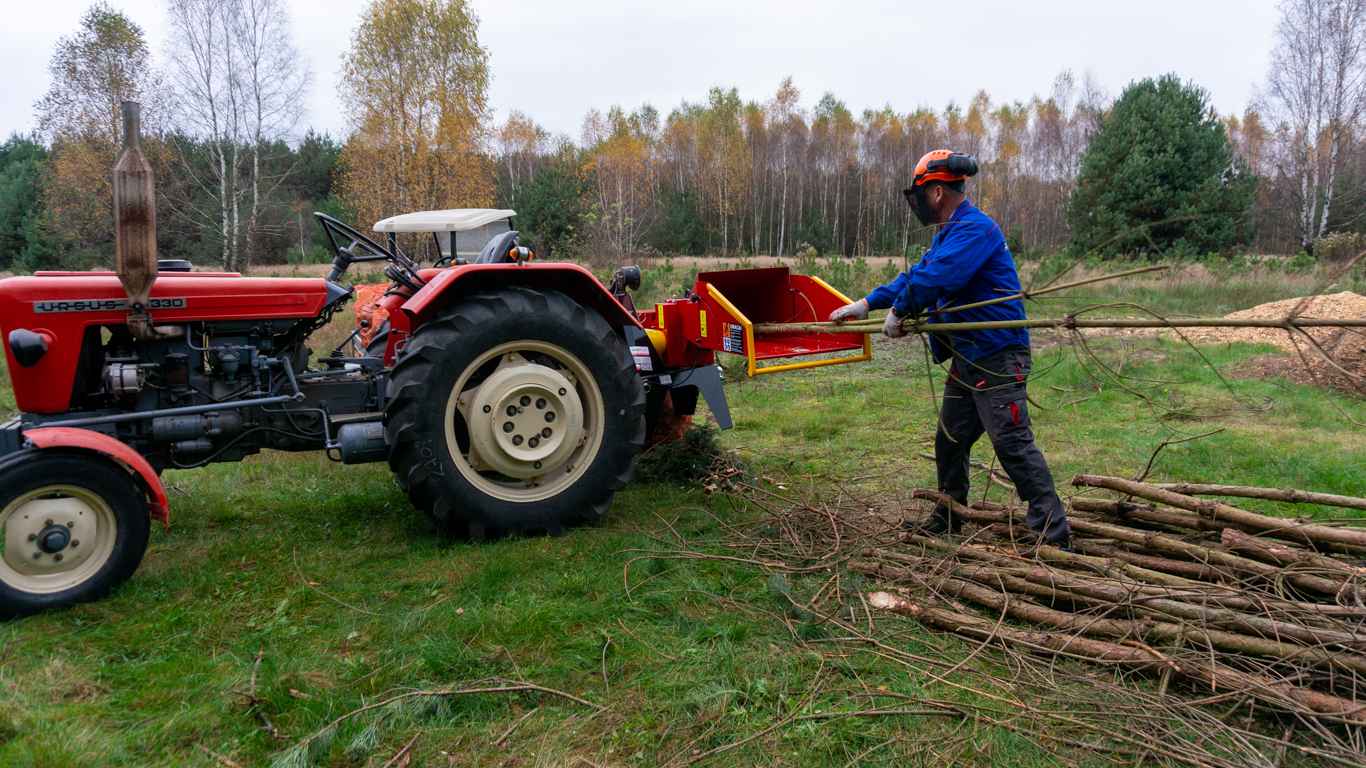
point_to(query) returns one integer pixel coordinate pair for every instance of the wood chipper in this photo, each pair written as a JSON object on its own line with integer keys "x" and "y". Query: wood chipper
{"x": 507, "y": 394}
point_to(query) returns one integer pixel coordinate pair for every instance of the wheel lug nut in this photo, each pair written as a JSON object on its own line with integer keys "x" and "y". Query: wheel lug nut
{"x": 57, "y": 557}
{"x": 540, "y": 403}
{"x": 546, "y": 432}
{"x": 508, "y": 426}
{"x": 549, "y": 416}
{"x": 525, "y": 401}
{"x": 33, "y": 537}
{"x": 48, "y": 523}
{"x": 488, "y": 408}
{"x": 512, "y": 410}
{"x": 516, "y": 439}
{"x": 37, "y": 555}
{"x": 563, "y": 391}
{"x": 536, "y": 464}
{"x": 75, "y": 542}
{"x": 71, "y": 524}
{"x": 533, "y": 442}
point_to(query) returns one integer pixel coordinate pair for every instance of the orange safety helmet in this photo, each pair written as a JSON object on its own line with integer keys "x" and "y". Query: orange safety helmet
{"x": 944, "y": 165}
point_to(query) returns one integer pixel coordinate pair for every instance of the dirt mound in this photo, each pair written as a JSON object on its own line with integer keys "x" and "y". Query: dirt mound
{"x": 1345, "y": 346}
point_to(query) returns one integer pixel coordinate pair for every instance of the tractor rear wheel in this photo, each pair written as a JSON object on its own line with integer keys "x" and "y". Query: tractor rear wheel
{"x": 72, "y": 528}
{"x": 517, "y": 411}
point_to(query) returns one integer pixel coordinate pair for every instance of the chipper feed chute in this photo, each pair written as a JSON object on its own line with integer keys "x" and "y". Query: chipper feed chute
{"x": 724, "y": 307}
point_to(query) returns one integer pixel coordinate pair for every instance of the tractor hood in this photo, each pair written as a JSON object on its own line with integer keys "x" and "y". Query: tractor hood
{"x": 60, "y": 307}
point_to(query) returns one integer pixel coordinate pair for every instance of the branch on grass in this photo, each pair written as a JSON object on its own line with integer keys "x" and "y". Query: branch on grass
{"x": 313, "y": 586}
{"x": 1291, "y": 495}
{"x": 403, "y": 756}
{"x": 1227, "y": 514}
{"x": 511, "y": 686}
{"x": 1149, "y": 466}
{"x": 1216, "y": 676}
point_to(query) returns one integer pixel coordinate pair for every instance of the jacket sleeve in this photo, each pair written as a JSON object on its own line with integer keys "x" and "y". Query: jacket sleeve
{"x": 947, "y": 267}
{"x": 882, "y": 296}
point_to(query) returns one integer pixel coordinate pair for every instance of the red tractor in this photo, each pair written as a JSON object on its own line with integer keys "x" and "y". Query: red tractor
{"x": 507, "y": 395}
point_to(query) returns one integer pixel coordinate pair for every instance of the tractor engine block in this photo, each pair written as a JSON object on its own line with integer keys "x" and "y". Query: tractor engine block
{"x": 221, "y": 392}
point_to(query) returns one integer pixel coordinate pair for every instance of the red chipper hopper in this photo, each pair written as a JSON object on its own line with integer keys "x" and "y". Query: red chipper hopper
{"x": 720, "y": 314}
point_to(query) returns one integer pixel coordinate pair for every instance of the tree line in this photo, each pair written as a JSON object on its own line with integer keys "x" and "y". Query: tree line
{"x": 1153, "y": 170}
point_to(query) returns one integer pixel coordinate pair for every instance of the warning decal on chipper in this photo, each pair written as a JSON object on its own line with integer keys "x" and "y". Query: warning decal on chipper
{"x": 641, "y": 356}
{"x": 734, "y": 339}
{"x": 102, "y": 305}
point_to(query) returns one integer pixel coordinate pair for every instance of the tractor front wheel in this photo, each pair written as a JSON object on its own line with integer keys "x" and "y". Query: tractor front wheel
{"x": 514, "y": 412}
{"x": 72, "y": 528}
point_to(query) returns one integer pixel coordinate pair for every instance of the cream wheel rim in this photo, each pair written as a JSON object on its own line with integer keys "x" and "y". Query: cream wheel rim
{"x": 533, "y": 422}
{"x": 55, "y": 538}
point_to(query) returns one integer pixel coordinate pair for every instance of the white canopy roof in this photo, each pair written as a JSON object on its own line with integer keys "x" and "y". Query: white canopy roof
{"x": 452, "y": 220}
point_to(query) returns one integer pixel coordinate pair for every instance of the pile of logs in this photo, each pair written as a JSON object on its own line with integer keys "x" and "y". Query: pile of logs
{"x": 1161, "y": 581}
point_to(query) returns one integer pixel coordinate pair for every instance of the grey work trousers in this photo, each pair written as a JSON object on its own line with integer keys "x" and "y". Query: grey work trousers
{"x": 988, "y": 396}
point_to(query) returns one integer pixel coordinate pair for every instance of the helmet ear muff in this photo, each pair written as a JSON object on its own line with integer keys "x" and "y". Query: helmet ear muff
{"x": 958, "y": 164}
{"x": 943, "y": 165}
{"x": 965, "y": 165}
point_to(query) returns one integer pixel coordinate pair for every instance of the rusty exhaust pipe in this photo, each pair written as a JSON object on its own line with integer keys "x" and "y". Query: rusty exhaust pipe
{"x": 135, "y": 224}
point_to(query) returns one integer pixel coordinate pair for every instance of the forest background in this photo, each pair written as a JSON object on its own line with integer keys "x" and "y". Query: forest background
{"x": 1154, "y": 171}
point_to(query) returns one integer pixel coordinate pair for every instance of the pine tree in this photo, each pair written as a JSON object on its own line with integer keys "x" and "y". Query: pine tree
{"x": 1160, "y": 176}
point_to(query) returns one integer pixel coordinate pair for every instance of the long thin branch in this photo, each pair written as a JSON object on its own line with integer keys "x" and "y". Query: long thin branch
{"x": 515, "y": 686}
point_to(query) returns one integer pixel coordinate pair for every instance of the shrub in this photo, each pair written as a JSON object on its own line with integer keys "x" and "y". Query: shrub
{"x": 685, "y": 461}
{"x": 1339, "y": 247}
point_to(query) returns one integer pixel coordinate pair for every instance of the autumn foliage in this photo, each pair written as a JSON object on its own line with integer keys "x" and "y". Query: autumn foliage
{"x": 416, "y": 82}
{"x": 93, "y": 70}
{"x": 724, "y": 173}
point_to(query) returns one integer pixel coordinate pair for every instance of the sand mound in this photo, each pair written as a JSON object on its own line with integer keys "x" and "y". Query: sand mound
{"x": 1346, "y": 346}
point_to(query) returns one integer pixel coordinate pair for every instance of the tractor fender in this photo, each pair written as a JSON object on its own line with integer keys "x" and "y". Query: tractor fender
{"x": 48, "y": 438}
{"x": 571, "y": 279}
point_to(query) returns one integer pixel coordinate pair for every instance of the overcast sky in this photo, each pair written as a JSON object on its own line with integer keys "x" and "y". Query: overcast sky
{"x": 554, "y": 59}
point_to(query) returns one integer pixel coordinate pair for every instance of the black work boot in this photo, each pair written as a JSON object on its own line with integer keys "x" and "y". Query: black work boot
{"x": 941, "y": 521}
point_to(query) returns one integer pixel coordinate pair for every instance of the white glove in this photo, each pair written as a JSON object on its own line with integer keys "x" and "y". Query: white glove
{"x": 855, "y": 311}
{"x": 891, "y": 327}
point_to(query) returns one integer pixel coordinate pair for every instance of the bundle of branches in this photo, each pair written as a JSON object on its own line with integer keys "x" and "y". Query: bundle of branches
{"x": 1145, "y": 700}
{"x": 1231, "y": 603}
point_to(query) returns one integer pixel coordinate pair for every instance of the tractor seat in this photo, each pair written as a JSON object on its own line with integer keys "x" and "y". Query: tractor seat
{"x": 496, "y": 250}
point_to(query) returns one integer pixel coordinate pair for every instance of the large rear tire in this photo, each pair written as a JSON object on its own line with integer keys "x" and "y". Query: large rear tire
{"x": 517, "y": 411}
{"x": 72, "y": 528}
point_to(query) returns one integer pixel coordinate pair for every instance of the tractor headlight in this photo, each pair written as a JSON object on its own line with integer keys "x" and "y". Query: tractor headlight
{"x": 28, "y": 346}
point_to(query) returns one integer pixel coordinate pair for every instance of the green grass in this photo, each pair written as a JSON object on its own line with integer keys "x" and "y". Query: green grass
{"x": 327, "y": 574}
{"x": 1211, "y": 289}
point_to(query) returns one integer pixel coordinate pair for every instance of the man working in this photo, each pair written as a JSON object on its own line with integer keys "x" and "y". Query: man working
{"x": 968, "y": 262}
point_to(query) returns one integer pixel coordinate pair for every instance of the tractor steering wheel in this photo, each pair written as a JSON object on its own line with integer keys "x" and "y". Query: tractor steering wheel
{"x": 357, "y": 247}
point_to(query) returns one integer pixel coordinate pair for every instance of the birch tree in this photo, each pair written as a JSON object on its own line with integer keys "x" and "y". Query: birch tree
{"x": 727, "y": 174}
{"x": 519, "y": 142}
{"x": 1317, "y": 88}
{"x": 237, "y": 85}
{"x": 104, "y": 62}
{"x": 618, "y": 159}
{"x": 787, "y": 122}
{"x": 273, "y": 83}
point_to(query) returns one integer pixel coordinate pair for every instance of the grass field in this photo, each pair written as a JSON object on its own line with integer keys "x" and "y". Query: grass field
{"x": 290, "y": 591}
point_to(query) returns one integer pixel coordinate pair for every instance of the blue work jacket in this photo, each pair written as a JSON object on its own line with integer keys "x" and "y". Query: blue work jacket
{"x": 967, "y": 262}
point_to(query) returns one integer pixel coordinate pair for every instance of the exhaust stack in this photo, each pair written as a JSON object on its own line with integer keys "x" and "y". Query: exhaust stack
{"x": 135, "y": 224}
